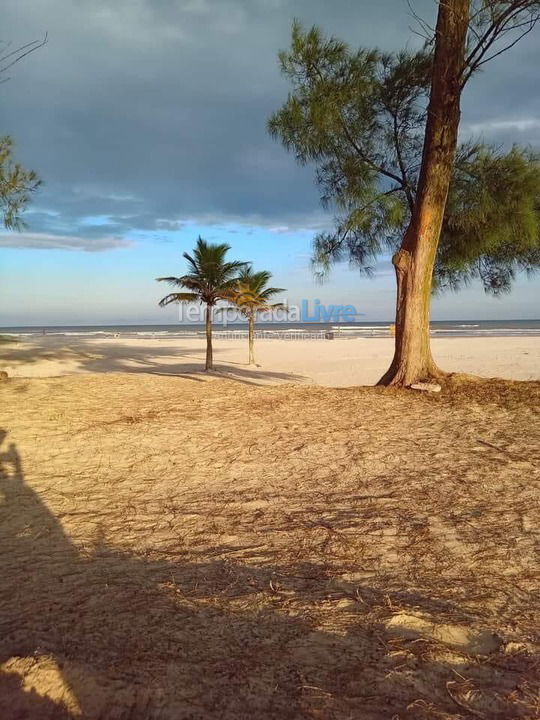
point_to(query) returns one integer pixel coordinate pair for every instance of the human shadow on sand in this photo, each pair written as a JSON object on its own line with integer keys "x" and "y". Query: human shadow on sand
{"x": 97, "y": 632}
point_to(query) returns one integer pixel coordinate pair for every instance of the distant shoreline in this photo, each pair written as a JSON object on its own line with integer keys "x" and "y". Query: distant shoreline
{"x": 439, "y": 328}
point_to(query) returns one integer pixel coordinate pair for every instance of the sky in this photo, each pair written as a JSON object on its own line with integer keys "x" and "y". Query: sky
{"x": 146, "y": 120}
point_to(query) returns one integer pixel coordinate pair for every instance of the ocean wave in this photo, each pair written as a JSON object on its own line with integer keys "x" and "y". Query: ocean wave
{"x": 503, "y": 328}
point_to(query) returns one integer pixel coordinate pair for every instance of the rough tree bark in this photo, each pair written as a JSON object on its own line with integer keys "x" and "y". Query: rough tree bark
{"x": 415, "y": 259}
{"x": 251, "y": 338}
{"x": 209, "y": 365}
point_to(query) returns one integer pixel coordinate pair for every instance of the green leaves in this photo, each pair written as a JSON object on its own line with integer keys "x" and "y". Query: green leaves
{"x": 210, "y": 277}
{"x": 16, "y": 186}
{"x": 330, "y": 85}
{"x": 360, "y": 118}
{"x": 252, "y": 294}
{"x": 491, "y": 228}
{"x": 177, "y": 297}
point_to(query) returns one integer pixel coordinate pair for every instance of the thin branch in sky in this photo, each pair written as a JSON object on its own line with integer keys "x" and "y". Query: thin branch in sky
{"x": 8, "y": 59}
{"x": 428, "y": 32}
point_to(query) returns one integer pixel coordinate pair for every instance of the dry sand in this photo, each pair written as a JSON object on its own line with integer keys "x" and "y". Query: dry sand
{"x": 177, "y": 549}
{"x": 335, "y": 363}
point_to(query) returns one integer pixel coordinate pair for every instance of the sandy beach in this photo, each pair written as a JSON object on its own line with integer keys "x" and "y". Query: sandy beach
{"x": 251, "y": 544}
{"x": 270, "y": 360}
{"x": 174, "y": 549}
{"x": 341, "y": 362}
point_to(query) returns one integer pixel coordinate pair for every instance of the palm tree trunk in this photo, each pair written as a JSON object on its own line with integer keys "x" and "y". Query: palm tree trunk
{"x": 415, "y": 260}
{"x": 251, "y": 338}
{"x": 209, "y": 357}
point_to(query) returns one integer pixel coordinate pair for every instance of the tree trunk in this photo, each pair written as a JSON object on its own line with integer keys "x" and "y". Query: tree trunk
{"x": 415, "y": 259}
{"x": 209, "y": 358}
{"x": 251, "y": 338}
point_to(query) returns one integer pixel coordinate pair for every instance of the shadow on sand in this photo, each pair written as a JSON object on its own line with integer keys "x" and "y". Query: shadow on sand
{"x": 100, "y": 357}
{"x": 101, "y": 633}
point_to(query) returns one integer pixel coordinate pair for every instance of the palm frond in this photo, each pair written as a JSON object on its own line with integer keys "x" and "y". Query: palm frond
{"x": 192, "y": 262}
{"x": 209, "y": 277}
{"x": 268, "y": 292}
{"x": 278, "y": 306}
{"x": 178, "y": 298}
{"x": 171, "y": 280}
{"x": 251, "y": 293}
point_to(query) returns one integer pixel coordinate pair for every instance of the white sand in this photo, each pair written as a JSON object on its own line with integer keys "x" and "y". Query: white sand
{"x": 336, "y": 363}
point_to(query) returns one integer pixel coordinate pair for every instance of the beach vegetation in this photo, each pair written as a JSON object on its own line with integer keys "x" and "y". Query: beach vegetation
{"x": 16, "y": 186}
{"x": 382, "y": 130}
{"x": 16, "y": 183}
{"x": 252, "y": 295}
{"x": 210, "y": 278}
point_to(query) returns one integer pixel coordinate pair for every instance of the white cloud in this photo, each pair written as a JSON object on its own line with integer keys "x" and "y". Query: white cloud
{"x": 493, "y": 126}
{"x": 44, "y": 241}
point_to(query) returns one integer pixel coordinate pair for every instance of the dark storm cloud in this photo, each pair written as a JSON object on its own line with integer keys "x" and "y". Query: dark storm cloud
{"x": 151, "y": 112}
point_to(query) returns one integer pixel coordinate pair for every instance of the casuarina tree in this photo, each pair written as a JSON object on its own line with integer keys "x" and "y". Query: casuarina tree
{"x": 383, "y": 132}
{"x": 16, "y": 183}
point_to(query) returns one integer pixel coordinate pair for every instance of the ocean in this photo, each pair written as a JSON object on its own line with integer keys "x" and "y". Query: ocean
{"x": 442, "y": 328}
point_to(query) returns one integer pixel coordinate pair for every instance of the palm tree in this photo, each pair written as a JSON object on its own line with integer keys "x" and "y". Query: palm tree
{"x": 209, "y": 279}
{"x": 252, "y": 296}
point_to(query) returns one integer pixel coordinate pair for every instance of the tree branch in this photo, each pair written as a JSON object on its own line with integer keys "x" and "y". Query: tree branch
{"x": 361, "y": 154}
{"x": 337, "y": 242}
{"x": 428, "y": 31}
{"x": 368, "y": 161}
{"x": 406, "y": 186}
{"x": 21, "y": 52}
{"x": 500, "y": 25}
{"x": 502, "y": 50}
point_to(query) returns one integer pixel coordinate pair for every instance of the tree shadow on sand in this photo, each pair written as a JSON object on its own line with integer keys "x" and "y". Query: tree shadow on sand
{"x": 160, "y": 359}
{"x": 98, "y": 632}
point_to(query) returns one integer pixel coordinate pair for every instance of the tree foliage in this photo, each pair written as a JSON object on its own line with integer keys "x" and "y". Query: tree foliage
{"x": 360, "y": 117}
{"x": 492, "y": 223}
{"x": 209, "y": 278}
{"x": 252, "y": 293}
{"x": 16, "y": 183}
{"x": 16, "y": 186}
{"x": 251, "y": 296}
